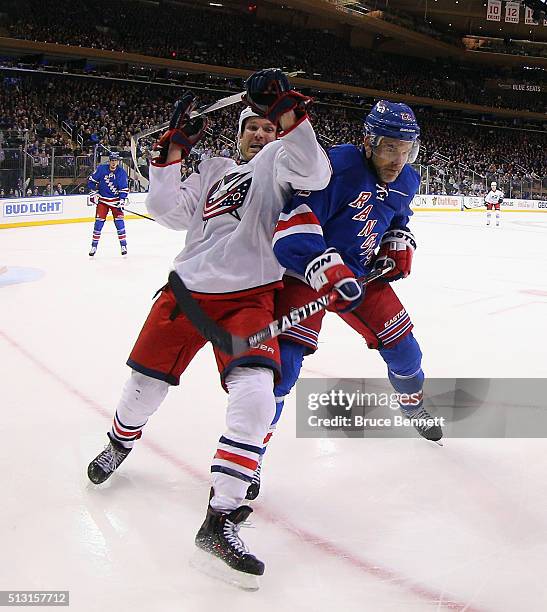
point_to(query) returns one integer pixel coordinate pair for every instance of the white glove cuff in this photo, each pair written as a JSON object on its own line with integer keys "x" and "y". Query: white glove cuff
{"x": 399, "y": 240}
{"x": 315, "y": 270}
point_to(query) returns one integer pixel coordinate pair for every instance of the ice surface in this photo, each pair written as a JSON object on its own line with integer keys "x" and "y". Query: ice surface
{"x": 376, "y": 525}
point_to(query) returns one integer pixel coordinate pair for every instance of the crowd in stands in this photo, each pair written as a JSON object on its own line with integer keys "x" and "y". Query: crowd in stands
{"x": 106, "y": 113}
{"x": 512, "y": 48}
{"x": 212, "y": 37}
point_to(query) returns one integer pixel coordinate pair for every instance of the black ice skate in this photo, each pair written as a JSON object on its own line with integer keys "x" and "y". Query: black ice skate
{"x": 223, "y": 554}
{"x": 92, "y": 251}
{"x": 124, "y": 249}
{"x": 424, "y": 424}
{"x": 254, "y": 488}
{"x": 107, "y": 462}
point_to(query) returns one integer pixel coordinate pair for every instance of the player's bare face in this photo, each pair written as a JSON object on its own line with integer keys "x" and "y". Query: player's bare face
{"x": 258, "y": 132}
{"x": 389, "y": 158}
{"x": 113, "y": 165}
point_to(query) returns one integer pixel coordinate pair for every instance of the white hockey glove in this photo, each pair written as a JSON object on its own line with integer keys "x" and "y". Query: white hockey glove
{"x": 93, "y": 198}
{"x": 327, "y": 272}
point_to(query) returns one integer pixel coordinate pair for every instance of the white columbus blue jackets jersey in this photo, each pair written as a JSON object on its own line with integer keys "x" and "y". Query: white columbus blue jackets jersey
{"x": 494, "y": 197}
{"x": 111, "y": 186}
{"x": 230, "y": 210}
{"x": 351, "y": 214}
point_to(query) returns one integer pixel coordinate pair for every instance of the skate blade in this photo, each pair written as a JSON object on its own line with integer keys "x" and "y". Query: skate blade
{"x": 216, "y": 568}
{"x": 436, "y": 442}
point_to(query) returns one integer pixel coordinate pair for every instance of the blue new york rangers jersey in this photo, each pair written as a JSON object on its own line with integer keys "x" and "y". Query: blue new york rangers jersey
{"x": 351, "y": 214}
{"x": 111, "y": 186}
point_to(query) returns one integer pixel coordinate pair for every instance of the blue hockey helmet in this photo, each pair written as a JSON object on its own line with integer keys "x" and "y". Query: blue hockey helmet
{"x": 393, "y": 120}
{"x": 114, "y": 156}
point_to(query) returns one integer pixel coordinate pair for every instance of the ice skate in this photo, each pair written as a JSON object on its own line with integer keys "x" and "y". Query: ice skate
{"x": 92, "y": 251}
{"x": 107, "y": 461}
{"x": 424, "y": 424}
{"x": 124, "y": 249}
{"x": 222, "y": 554}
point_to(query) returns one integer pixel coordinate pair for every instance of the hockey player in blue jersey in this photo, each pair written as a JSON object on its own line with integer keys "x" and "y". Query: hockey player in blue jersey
{"x": 330, "y": 237}
{"x": 108, "y": 191}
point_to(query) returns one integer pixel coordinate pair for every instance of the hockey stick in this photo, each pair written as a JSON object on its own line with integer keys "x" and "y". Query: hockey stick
{"x": 131, "y": 212}
{"x": 233, "y": 344}
{"x": 202, "y": 110}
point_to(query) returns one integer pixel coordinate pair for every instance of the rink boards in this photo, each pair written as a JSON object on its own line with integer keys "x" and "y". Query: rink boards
{"x": 446, "y": 203}
{"x": 57, "y": 209}
{"x": 73, "y": 208}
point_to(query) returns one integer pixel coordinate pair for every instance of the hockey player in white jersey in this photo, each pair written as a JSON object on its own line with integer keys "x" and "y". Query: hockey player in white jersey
{"x": 230, "y": 210}
{"x": 493, "y": 200}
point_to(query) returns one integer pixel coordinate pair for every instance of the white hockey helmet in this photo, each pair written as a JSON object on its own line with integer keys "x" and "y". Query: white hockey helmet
{"x": 245, "y": 114}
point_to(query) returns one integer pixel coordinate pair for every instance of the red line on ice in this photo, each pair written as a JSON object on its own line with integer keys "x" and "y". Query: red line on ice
{"x": 535, "y": 292}
{"x": 515, "y": 307}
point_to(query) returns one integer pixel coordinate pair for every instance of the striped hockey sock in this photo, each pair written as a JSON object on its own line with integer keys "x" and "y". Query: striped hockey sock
{"x": 120, "y": 227}
{"x": 97, "y": 229}
{"x": 125, "y": 434}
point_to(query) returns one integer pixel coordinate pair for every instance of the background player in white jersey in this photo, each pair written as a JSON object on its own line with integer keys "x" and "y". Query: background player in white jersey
{"x": 230, "y": 211}
{"x": 493, "y": 200}
{"x": 108, "y": 191}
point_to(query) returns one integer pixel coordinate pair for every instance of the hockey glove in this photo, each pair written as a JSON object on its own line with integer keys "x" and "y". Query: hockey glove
{"x": 184, "y": 132}
{"x": 93, "y": 198}
{"x": 397, "y": 246}
{"x": 327, "y": 272}
{"x": 268, "y": 92}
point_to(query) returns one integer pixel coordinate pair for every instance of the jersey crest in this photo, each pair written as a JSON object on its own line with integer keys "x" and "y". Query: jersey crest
{"x": 227, "y": 195}
{"x": 109, "y": 179}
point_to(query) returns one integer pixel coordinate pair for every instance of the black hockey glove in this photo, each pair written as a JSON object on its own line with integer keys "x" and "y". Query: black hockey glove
{"x": 183, "y": 131}
{"x": 268, "y": 92}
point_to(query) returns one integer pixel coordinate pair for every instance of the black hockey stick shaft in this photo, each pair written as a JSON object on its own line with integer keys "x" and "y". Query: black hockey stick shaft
{"x": 208, "y": 328}
{"x": 233, "y": 344}
{"x": 132, "y": 212}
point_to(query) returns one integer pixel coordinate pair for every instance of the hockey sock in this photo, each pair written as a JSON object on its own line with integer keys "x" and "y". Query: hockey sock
{"x": 410, "y": 388}
{"x": 292, "y": 355}
{"x": 251, "y": 408}
{"x": 97, "y": 229}
{"x": 125, "y": 434}
{"x": 141, "y": 397}
{"x": 279, "y": 403}
{"x": 120, "y": 226}
{"x": 404, "y": 367}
